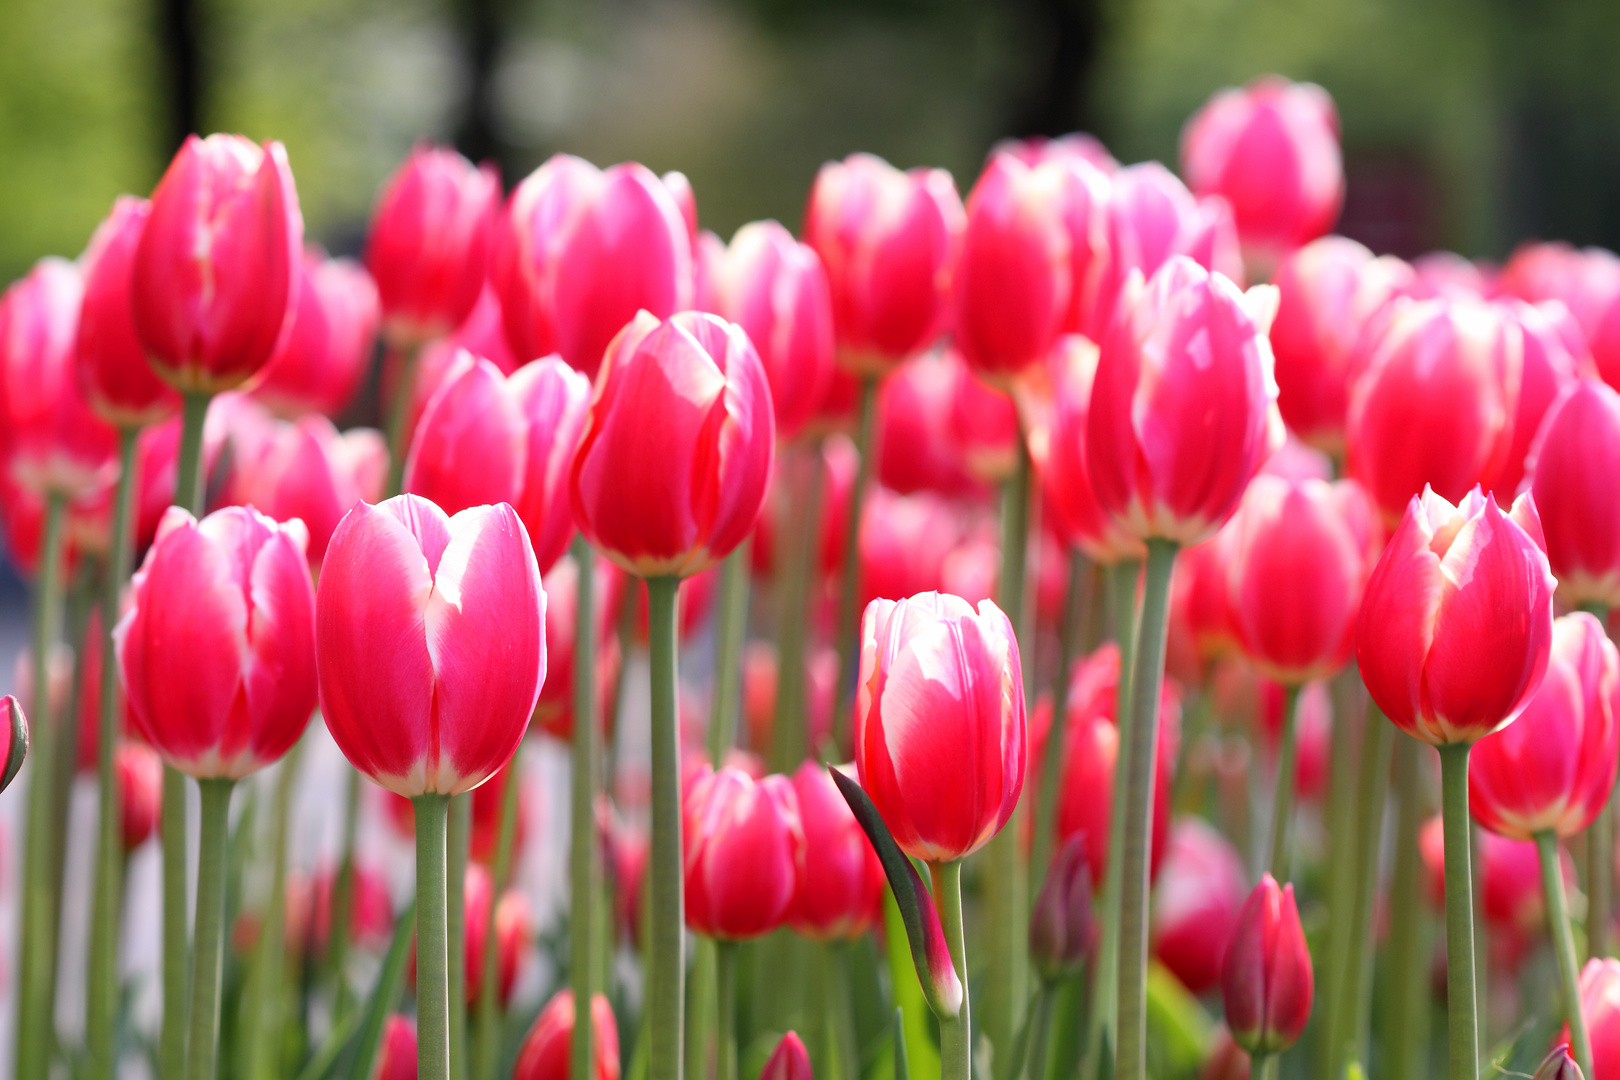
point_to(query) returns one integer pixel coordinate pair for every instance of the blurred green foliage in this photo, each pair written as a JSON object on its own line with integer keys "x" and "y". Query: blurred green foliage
{"x": 1507, "y": 112}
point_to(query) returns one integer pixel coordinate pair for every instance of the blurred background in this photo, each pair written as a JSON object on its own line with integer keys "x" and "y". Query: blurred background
{"x": 1468, "y": 124}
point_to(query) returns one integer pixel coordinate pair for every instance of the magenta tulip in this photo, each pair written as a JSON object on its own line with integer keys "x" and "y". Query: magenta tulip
{"x": 544, "y": 1054}
{"x": 789, "y": 1061}
{"x": 1200, "y": 894}
{"x": 1266, "y": 979}
{"x": 745, "y": 852}
{"x": 307, "y": 470}
{"x": 328, "y": 350}
{"x": 1574, "y": 467}
{"x": 840, "y": 890}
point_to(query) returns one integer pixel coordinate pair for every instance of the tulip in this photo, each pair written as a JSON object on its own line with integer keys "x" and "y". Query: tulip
{"x": 889, "y": 241}
{"x": 1201, "y": 893}
{"x": 1060, "y": 926}
{"x": 514, "y": 933}
{"x": 984, "y": 425}
{"x": 775, "y": 289}
{"x": 1013, "y": 279}
{"x": 1328, "y": 291}
{"x": 544, "y": 1054}
{"x": 1202, "y": 625}
{"x": 1270, "y": 149}
{"x": 140, "y": 790}
{"x": 307, "y": 470}
{"x": 328, "y": 350}
{"x": 918, "y": 448}
{"x": 745, "y": 851}
{"x": 672, "y": 497}
{"x": 1209, "y": 237}
{"x": 1266, "y": 980}
{"x": 1550, "y": 367}
{"x": 396, "y": 1059}
{"x": 1448, "y": 274}
{"x": 554, "y": 712}
{"x": 905, "y": 541}
{"x": 1086, "y": 217}
{"x": 581, "y": 251}
{"x": 1600, "y": 1005}
{"x": 214, "y": 279}
{"x": 428, "y": 244}
{"x": 789, "y": 1061}
{"x": 309, "y": 910}
{"x": 114, "y": 374}
{"x": 840, "y": 886}
{"x": 481, "y": 335}
{"x": 1572, "y": 467}
{"x": 1075, "y": 146}
{"x": 1558, "y": 1065}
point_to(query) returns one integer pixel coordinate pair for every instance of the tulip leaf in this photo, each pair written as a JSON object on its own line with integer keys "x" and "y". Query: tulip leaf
{"x": 902, "y": 1070}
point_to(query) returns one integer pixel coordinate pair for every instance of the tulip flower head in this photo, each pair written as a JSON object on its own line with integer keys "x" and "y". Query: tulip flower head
{"x": 216, "y": 273}
{"x": 1456, "y": 621}
{"x": 1550, "y": 364}
{"x": 430, "y": 631}
{"x": 672, "y": 465}
{"x": 1553, "y": 767}
{"x": 744, "y": 853}
{"x": 1600, "y": 1007}
{"x": 1266, "y": 980}
{"x": 939, "y": 724}
{"x": 789, "y": 1061}
{"x": 840, "y": 889}
{"x": 1558, "y": 1065}
{"x": 513, "y": 928}
{"x": 1199, "y": 896}
{"x": 1183, "y": 409}
{"x": 327, "y": 351}
{"x": 545, "y": 1050}
{"x": 217, "y": 647}
{"x": 1061, "y": 925}
{"x": 1572, "y": 467}
{"x": 396, "y": 1057}
{"x": 140, "y": 793}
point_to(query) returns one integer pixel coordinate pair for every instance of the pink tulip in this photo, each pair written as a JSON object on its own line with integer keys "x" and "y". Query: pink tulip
{"x": 939, "y": 723}
{"x": 1075, "y": 146}
{"x": 1600, "y": 1008}
{"x": 889, "y": 240}
{"x": 983, "y": 423}
{"x": 1435, "y": 402}
{"x": 545, "y": 1050}
{"x": 581, "y": 251}
{"x": 54, "y": 443}
{"x": 1200, "y": 893}
{"x": 1183, "y": 408}
{"x": 1014, "y": 285}
{"x": 904, "y": 542}
{"x": 775, "y": 288}
{"x": 917, "y": 447}
{"x": 1573, "y": 466}
{"x": 679, "y": 186}
{"x": 1456, "y": 622}
{"x": 671, "y": 468}
{"x": 1549, "y": 368}
{"x": 114, "y": 375}
{"x": 1327, "y": 291}
{"x": 840, "y": 888}
{"x": 745, "y": 852}
{"x": 216, "y": 273}
{"x": 140, "y": 793}
{"x": 1266, "y": 979}
{"x": 514, "y": 933}
{"x": 1297, "y": 556}
{"x": 396, "y": 1057}
{"x": 1086, "y": 218}
{"x": 1270, "y": 149}
{"x": 217, "y": 647}
{"x": 789, "y": 1061}
{"x": 328, "y": 350}
{"x": 1554, "y": 766}
{"x": 307, "y": 470}
{"x": 430, "y": 631}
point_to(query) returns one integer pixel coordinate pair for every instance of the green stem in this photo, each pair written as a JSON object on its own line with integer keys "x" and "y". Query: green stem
{"x": 486, "y": 1049}
{"x": 700, "y": 1008}
{"x": 458, "y": 833}
{"x": 1408, "y": 1021}
{"x": 208, "y": 954}
{"x": 65, "y": 736}
{"x": 101, "y": 981}
{"x": 1282, "y": 806}
{"x": 1552, "y": 886}
{"x": 176, "y": 946}
{"x": 1341, "y": 822}
{"x": 849, "y": 612}
{"x": 1143, "y": 737}
{"x": 1040, "y": 1029}
{"x": 1600, "y": 881}
{"x": 725, "y": 997}
{"x": 264, "y": 1016}
{"x": 399, "y": 408}
{"x": 1264, "y": 1067}
{"x": 839, "y": 1010}
{"x": 337, "y": 950}
{"x": 665, "y": 966}
{"x": 432, "y": 946}
{"x": 191, "y": 480}
{"x": 1051, "y": 774}
{"x": 728, "y": 641}
{"x": 955, "y": 1036}
{"x": 802, "y": 551}
{"x": 1349, "y": 1022}
{"x": 35, "y": 1025}
{"x": 1462, "y": 1019}
{"x": 584, "y": 872}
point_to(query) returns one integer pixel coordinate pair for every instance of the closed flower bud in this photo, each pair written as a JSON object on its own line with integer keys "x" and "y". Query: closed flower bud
{"x": 1572, "y": 470}
{"x": 840, "y": 889}
{"x": 789, "y": 1061}
{"x": 545, "y": 1050}
{"x": 1456, "y": 621}
{"x": 1266, "y": 981}
{"x": 917, "y": 448}
{"x": 1550, "y": 366}
{"x": 1558, "y": 1065}
{"x": 328, "y": 350}
{"x": 1060, "y": 925}
{"x": 744, "y": 853}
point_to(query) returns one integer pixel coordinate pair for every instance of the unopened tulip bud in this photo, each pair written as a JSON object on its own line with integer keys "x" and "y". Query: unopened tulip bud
{"x": 1266, "y": 980}
{"x": 545, "y": 1051}
{"x": 840, "y": 889}
{"x": 1558, "y": 1065}
{"x": 789, "y": 1061}
{"x": 396, "y": 1057}
{"x": 744, "y": 853}
{"x": 1572, "y": 469}
{"x": 140, "y": 792}
{"x": 328, "y": 349}
{"x": 1060, "y": 925}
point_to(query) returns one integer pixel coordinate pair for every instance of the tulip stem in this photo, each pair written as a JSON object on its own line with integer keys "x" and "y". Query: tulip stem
{"x": 1040, "y": 1028}
{"x": 849, "y": 611}
{"x": 1348, "y": 1022}
{"x": 399, "y": 407}
{"x": 801, "y": 550}
{"x": 725, "y": 997}
{"x": 487, "y": 1047}
{"x": 1461, "y": 1004}
{"x": 955, "y": 1035}
{"x": 191, "y": 479}
{"x": 1282, "y": 804}
{"x": 1263, "y": 1066}
{"x": 432, "y": 949}
{"x": 838, "y": 1013}
{"x": 665, "y": 964}
{"x": 1143, "y": 740}
{"x": 731, "y": 627}
{"x": 584, "y": 871}
{"x": 1599, "y": 854}
{"x": 209, "y": 925}
{"x": 35, "y": 1024}
{"x": 263, "y": 1016}
{"x": 458, "y": 832}
{"x": 337, "y": 949}
{"x": 1341, "y": 824}
{"x": 1051, "y": 774}
{"x": 1408, "y": 1020}
{"x": 1552, "y": 886}
{"x": 101, "y": 981}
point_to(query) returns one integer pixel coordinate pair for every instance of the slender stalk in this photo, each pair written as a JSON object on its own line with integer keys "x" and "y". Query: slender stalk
{"x": 1051, "y": 774}
{"x": 1408, "y": 1020}
{"x": 65, "y": 735}
{"x": 1131, "y": 1062}
{"x": 849, "y": 629}
{"x": 1462, "y": 1020}
{"x": 902, "y": 1067}
{"x": 701, "y": 1009}
{"x": 802, "y": 551}
{"x": 1264, "y": 1067}
{"x": 458, "y": 833}
{"x": 955, "y": 1035}
{"x": 1552, "y": 886}
{"x": 399, "y": 408}
{"x": 202, "y": 1063}
{"x": 1482, "y": 973}
{"x": 1341, "y": 823}
{"x": 725, "y": 997}
{"x": 101, "y": 980}
{"x": 35, "y": 1025}
{"x": 665, "y": 967}
{"x": 839, "y": 1017}
{"x": 584, "y": 872}
{"x": 1600, "y": 882}
{"x": 337, "y": 949}
{"x": 191, "y": 480}
{"x": 1351, "y": 1004}
{"x": 432, "y": 947}
{"x": 487, "y": 1045}
{"x": 264, "y": 1020}
{"x": 728, "y": 641}
{"x": 1040, "y": 1030}
{"x": 1282, "y": 805}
